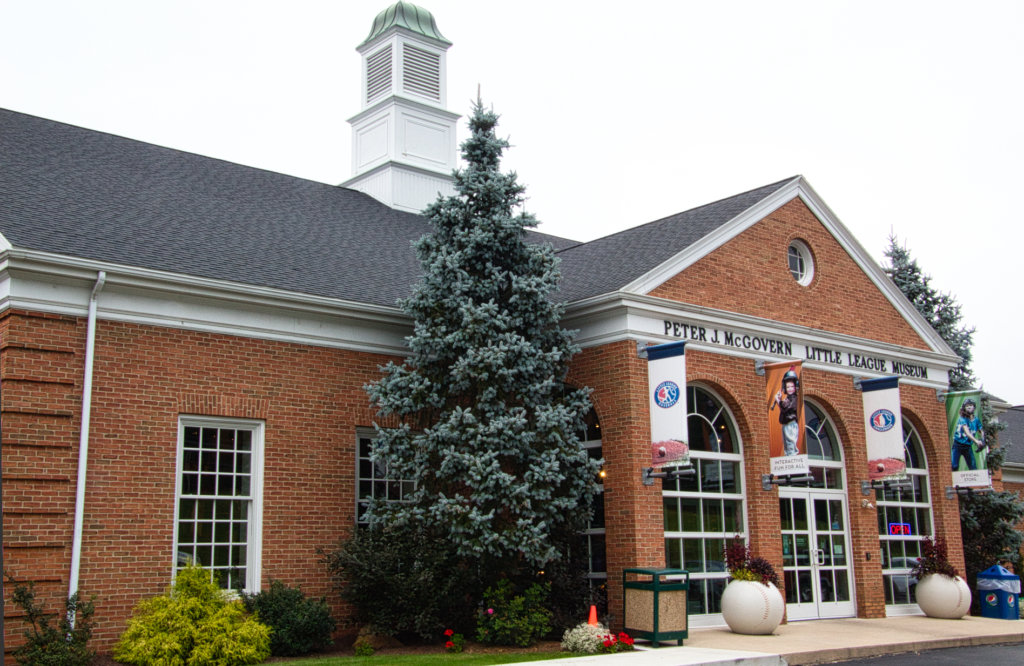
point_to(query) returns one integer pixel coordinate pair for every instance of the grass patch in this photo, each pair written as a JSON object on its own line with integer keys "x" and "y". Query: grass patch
{"x": 429, "y": 659}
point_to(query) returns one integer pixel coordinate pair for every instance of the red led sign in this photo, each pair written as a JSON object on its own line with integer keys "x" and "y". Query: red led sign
{"x": 899, "y": 529}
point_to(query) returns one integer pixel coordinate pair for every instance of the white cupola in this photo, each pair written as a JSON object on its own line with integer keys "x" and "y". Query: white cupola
{"x": 403, "y": 140}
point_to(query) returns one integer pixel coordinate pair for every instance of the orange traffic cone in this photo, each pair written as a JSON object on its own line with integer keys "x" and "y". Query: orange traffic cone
{"x": 593, "y": 616}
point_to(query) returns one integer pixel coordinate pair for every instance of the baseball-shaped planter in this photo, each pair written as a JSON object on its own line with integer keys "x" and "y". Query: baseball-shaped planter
{"x": 752, "y": 608}
{"x": 941, "y": 596}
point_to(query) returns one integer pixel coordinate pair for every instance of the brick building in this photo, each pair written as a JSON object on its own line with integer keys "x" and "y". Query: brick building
{"x": 184, "y": 342}
{"x": 1012, "y": 439}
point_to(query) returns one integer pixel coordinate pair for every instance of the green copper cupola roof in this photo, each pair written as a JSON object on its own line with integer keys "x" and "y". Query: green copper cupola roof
{"x": 409, "y": 16}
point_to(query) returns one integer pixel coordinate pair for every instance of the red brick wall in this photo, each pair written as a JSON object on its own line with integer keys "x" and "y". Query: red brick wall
{"x": 749, "y": 274}
{"x": 634, "y": 525}
{"x": 634, "y": 512}
{"x": 311, "y": 400}
{"x": 743, "y": 390}
{"x": 41, "y": 406}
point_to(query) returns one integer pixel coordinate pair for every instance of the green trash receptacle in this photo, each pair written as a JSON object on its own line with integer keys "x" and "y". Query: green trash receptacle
{"x": 654, "y": 608}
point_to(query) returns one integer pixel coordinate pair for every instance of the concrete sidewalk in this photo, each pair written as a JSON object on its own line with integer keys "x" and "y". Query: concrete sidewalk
{"x": 820, "y": 642}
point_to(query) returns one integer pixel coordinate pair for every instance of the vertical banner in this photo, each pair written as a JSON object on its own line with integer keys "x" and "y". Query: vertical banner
{"x": 883, "y": 429}
{"x": 666, "y": 382}
{"x": 968, "y": 448}
{"x": 786, "y": 441}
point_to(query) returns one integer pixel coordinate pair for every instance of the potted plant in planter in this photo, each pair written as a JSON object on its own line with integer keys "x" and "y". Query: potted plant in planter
{"x": 941, "y": 592}
{"x": 751, "y": 602}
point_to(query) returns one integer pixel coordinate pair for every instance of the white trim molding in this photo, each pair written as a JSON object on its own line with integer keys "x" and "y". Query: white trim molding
{"x": 61, "y": 285}
{"x": 626, "y": 316}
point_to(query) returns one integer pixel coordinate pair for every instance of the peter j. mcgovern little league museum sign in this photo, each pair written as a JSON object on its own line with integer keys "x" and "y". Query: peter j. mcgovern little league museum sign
{"x": 829, "y": 354}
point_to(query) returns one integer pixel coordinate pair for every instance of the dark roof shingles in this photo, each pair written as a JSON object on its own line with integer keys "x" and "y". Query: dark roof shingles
{"x": 77, "y": 192}
{"x": 608, "y": 264}
{"x": 1011, "y": 438}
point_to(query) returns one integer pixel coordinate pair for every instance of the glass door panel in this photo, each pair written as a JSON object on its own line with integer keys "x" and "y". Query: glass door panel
{"x": 815, "y": 554}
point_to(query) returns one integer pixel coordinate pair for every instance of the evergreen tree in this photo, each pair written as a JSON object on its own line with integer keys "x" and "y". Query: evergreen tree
{"x": 940, "y": 310}
{"x": 487, "y": 429}
{"x": 987, "y": 520}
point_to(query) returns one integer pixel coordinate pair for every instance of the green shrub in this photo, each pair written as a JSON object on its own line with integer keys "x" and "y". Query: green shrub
{"x": 47, "y": 644}
{"x": 513, "y": 620}
{"x": 193, "y": 624}
{"x": 363, "y": 648}
{"x": 300, "y": 625}
{"x": 584, "y": 638}
{"x": 571, "y": 595}
{"x": 403, "y": 580}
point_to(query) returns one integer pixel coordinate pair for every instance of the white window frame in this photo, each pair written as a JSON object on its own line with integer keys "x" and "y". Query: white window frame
{"x": 713, "y": 619}
{"x": 403, "y": 487}
{"x": 909, "y": 433}
{"x": 254, "y": 532}
{"x": 827, "y": 424}
{"x": 806, "y": 260}
{"x": 598, "y": 576}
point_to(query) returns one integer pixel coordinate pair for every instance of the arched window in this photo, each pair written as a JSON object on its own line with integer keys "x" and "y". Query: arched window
{"x": 904, "y": 519}
{"x": 702, "y": 512}
{"x": 595, "y": 532}
{"x": 825, "y": 455}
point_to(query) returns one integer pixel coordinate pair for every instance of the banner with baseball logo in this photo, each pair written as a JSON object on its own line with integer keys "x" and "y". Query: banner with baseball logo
{"x": 786, "y": 438}
{"x": 666, "y": 380}
{"x": 968, "y": 448}
{"x": 883, "y": 428}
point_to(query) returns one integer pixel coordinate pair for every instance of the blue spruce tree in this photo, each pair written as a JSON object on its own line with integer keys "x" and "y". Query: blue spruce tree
{"x": 987, "y": 520}
{"x": 487, "y": 428}
{"x": 941, "y": 310}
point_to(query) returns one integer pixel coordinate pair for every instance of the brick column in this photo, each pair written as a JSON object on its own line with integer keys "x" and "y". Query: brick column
{"x": 634, "y": 523}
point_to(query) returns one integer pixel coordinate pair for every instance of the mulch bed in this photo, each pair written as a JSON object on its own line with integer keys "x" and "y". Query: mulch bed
{"x": 471, "y": 648}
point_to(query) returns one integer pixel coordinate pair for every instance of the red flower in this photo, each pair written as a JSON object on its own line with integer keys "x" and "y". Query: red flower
{"x": 609, "y": 642}
{"x": 449, "y": 645}
{"x": 449, "y": 632}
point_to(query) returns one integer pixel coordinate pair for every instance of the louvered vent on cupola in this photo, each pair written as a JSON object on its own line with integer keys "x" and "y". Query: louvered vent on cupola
{"x": 378, "y": 74}
{"x": 422, "y": 72}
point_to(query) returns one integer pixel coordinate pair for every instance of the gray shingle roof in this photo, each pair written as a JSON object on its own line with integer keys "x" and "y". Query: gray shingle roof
{"x": 609, "y": 263}
{"x": 1012, "y": 437}
{"x": 81, "y": 193}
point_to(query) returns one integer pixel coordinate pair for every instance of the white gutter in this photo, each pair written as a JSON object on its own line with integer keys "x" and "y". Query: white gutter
{"x": 83, "y": 441}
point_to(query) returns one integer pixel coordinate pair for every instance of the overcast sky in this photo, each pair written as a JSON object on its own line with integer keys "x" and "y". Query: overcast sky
{"x": 905, "y": 116}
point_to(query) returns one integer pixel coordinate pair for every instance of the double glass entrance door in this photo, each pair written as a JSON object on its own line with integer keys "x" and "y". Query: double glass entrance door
{"x": 816, "y": 554}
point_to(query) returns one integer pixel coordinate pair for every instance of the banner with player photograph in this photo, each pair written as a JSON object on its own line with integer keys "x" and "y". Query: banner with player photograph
{"x": 785, "y": 399}
{"x": 666, "y": 380}
{"x": 968, "y": 448}
{"x": 883, "y": 429}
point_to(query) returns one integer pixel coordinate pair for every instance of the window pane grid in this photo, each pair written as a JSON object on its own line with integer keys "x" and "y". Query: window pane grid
{"x": 215, "y": 502}
{"x": 911, "y": 510}
{"x": 705, "y": 511}
{"x": 373, "y": 481}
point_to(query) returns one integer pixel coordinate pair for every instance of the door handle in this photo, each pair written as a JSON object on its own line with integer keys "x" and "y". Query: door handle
{"x": 819, "y": 556}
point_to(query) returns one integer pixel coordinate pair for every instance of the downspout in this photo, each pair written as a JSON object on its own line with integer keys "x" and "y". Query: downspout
{"x": 83, "y": 441}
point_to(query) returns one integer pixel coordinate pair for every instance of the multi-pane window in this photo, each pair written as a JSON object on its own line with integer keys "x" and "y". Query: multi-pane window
{"x": 373, "y": 482}
{"x": 704, "y": 511}
{"x": 824, "y": 455}
{"x": 904, "y": 520}
{"x": 219, "y": 494}
{"x": 597, "y": 560}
